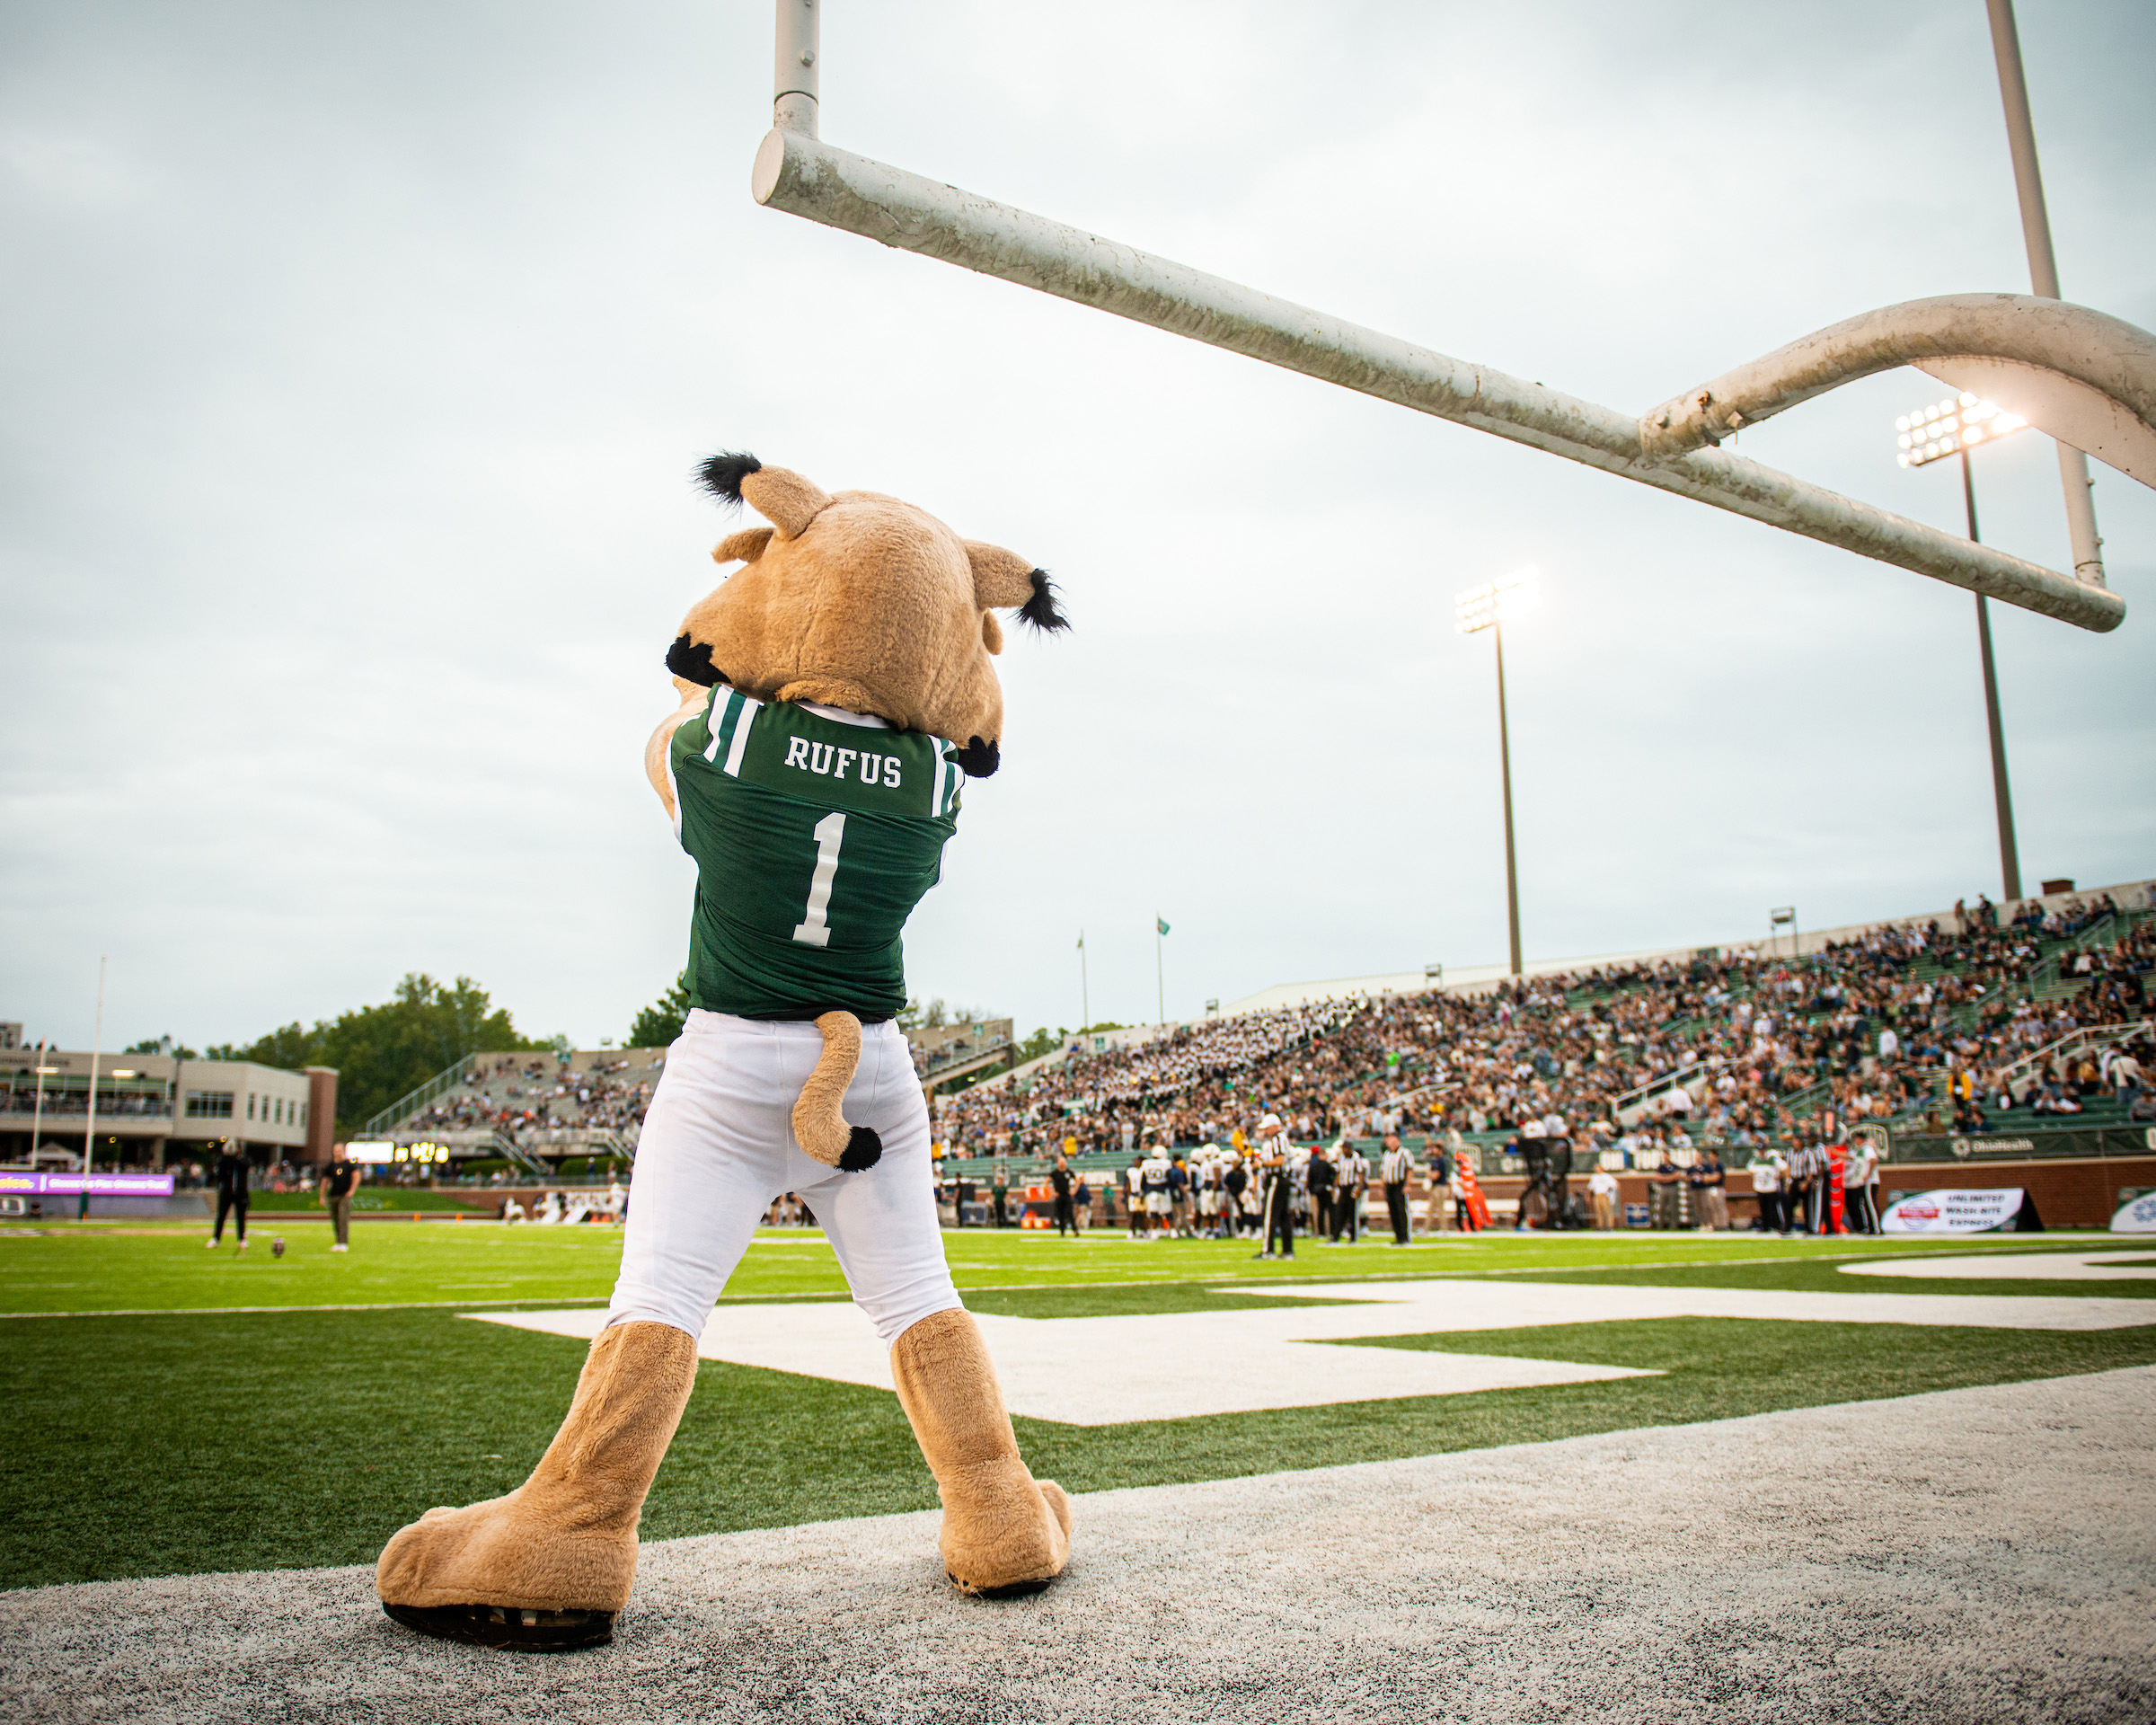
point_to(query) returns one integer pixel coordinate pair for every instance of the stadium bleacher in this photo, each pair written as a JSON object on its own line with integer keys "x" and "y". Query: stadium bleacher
{"x": 1962, "y": 1022}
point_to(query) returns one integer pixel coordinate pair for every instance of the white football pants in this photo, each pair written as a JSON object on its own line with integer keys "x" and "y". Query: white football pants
{"x": 718, "y": 1146}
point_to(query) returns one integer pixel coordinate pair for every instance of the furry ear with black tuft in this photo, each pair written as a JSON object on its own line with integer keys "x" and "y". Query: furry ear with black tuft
{"x": 977, "y": 759}
{"x": 721, "y": 474}
{"x": 1039, "y": 611}
{"x": 693, "y": 663}
{"x": 743, "y": 547}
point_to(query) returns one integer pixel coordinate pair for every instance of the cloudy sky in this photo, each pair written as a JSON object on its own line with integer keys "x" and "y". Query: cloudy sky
{"x": 356, "y": 356}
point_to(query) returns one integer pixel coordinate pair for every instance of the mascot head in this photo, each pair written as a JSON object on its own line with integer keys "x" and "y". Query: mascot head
{"x": 857, "y": 600}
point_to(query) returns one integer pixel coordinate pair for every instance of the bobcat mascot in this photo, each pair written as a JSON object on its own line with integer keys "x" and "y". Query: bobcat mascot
{"x": 835, "y": 694}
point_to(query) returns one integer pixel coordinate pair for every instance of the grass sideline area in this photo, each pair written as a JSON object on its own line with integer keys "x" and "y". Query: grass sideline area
{"x": 188, "y": 1439}
{"x": 377, "y": 1201}
{"x": 123, "y": 1266}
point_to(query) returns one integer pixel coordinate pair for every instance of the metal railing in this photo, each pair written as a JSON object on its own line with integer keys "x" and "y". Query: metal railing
{"x": 405, "y": 1106}
{"x": 2101, "y": 1036}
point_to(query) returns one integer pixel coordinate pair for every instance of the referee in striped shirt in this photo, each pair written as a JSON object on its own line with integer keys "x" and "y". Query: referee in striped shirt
{"x": 1394, "y": 1170}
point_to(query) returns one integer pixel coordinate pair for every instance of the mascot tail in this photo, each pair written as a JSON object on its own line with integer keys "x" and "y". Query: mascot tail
{"x": 818, "y": 1125}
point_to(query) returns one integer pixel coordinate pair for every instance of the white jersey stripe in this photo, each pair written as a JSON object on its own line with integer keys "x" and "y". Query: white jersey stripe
{"x": 714, "y": 720}
{"x": 739, "y": 746}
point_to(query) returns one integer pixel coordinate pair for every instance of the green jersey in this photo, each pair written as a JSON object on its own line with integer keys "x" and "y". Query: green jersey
{"x": 814, "y": 839}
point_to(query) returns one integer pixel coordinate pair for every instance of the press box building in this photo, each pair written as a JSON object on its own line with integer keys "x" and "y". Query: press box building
{"x": 152, "y": 1109}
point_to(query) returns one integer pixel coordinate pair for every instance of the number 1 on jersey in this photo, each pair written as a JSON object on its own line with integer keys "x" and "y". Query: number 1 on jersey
{"x": 812, "y": 929}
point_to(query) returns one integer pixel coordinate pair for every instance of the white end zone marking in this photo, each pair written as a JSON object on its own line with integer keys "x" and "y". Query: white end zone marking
{"x": 1107, "y": 1371}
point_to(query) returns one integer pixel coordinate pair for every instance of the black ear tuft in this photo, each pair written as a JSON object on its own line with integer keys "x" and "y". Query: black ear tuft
{"x": 693, "y": 663}
{"x": 1040, "y": 611}
{"x": 977, "y": 759}
{"x": 721, "y": 475}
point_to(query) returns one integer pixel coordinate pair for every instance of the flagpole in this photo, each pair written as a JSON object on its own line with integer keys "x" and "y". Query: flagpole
{"x": 37, "y": 1117}
{"x": 1085, "y": 997}
{"x": 97, "y": 1047}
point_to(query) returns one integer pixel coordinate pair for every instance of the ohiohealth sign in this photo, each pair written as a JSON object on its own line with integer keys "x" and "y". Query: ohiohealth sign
{"x": 101, "y": 1185}
{"x": 1968, "y": 1212}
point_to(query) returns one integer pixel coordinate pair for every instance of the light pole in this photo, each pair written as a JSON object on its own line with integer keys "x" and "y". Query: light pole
{"x": 1487, "y": 607}
{"x": 1784, "y": 916}
{"x": 1953, "y": 428}
{"x": 2043, "y": 276}
{"x": 1160, "y": 971}
{"x": 1085, "y": 993}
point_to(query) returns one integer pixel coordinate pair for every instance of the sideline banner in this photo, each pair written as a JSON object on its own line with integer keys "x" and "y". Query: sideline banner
{"x": 2032, "y": 1141}
{"x": 2136, "y": 1216}
{"x": 101, "y": 1185}
{"x": 1952, "y": 1212}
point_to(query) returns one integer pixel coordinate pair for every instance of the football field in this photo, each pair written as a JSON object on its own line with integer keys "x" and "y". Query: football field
{"x": 171, "y": 1411}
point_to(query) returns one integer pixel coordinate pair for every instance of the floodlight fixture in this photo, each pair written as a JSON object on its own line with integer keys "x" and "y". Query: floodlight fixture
{"x": 1498, "y": 601}
{"x": 1951, "y": 427}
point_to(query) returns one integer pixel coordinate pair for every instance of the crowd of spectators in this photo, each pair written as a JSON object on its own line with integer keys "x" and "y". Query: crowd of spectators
{"x": 1931, "y": 1025}
{"x": 515, "y": 1095}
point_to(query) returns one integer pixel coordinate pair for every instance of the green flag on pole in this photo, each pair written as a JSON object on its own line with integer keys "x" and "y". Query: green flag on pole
{"x": 1164, "y": 926}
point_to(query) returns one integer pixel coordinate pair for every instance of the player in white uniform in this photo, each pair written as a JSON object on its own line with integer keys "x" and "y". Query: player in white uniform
{"x": 1160, "y": 1206}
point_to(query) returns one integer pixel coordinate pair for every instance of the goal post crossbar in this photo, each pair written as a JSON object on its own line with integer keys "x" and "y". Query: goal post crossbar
{"x": 797, "y": 172}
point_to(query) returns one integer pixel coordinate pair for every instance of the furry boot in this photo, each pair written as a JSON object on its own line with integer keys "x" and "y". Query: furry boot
{"x": 549, "y": 1566}
{"x": 1004, "y": 1532}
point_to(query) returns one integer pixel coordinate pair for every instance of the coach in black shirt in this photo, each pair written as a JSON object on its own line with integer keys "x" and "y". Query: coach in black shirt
{"x": 233, "y": 1172}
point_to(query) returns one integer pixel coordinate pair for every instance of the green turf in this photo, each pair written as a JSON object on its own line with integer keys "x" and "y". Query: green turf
{"x": 198, "y": 1440}
{"x": 373, "y": 1201}
{"x": 1825, "y": 1276}
{"x": 101, "y": 1267}
{"x": 173, "y": 1444}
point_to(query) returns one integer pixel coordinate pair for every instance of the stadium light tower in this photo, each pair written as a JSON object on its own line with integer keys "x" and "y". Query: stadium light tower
{"x": 1954, "y": 427}
{"x": 1487, "y": 607}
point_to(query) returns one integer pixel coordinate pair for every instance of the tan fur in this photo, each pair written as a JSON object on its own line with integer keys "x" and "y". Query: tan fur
{"x": 818, "y": 1126}
{"x": 743, "y": 547}
{"x": 565, "y": 1540}
{"x": 784, "y": 497}
{"x": 863, "y": 602}
{"x": 1001, "y": 578}
{"x": 655, "y": 751}
{"x": 1001, "y": 1526}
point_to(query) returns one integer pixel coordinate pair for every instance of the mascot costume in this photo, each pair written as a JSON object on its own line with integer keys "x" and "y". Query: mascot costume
{"x": 834, "y": 692}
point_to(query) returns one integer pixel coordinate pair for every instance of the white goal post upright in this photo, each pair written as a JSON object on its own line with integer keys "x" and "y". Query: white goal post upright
{"x": 797, "y": 172}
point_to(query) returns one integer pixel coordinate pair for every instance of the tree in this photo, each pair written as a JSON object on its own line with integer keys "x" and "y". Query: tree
{"x": 660, "y": 1022}
{"x": 162, "y": 1044}
{"x": 1041, "y": 1042}
{"x": 381, "y": 1053}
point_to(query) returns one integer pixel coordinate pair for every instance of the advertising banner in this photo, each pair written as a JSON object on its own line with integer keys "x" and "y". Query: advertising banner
{"x": 2031, "y": 1142}
{"x": 2136, "y": 1216}
{"x": 1952, "y": 1212}
{"x": 101, "y": 1185}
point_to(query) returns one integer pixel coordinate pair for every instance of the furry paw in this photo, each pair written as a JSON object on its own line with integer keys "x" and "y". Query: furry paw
{"x": 1005, "y": 1533}
{"x": 864, "y": 1149}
